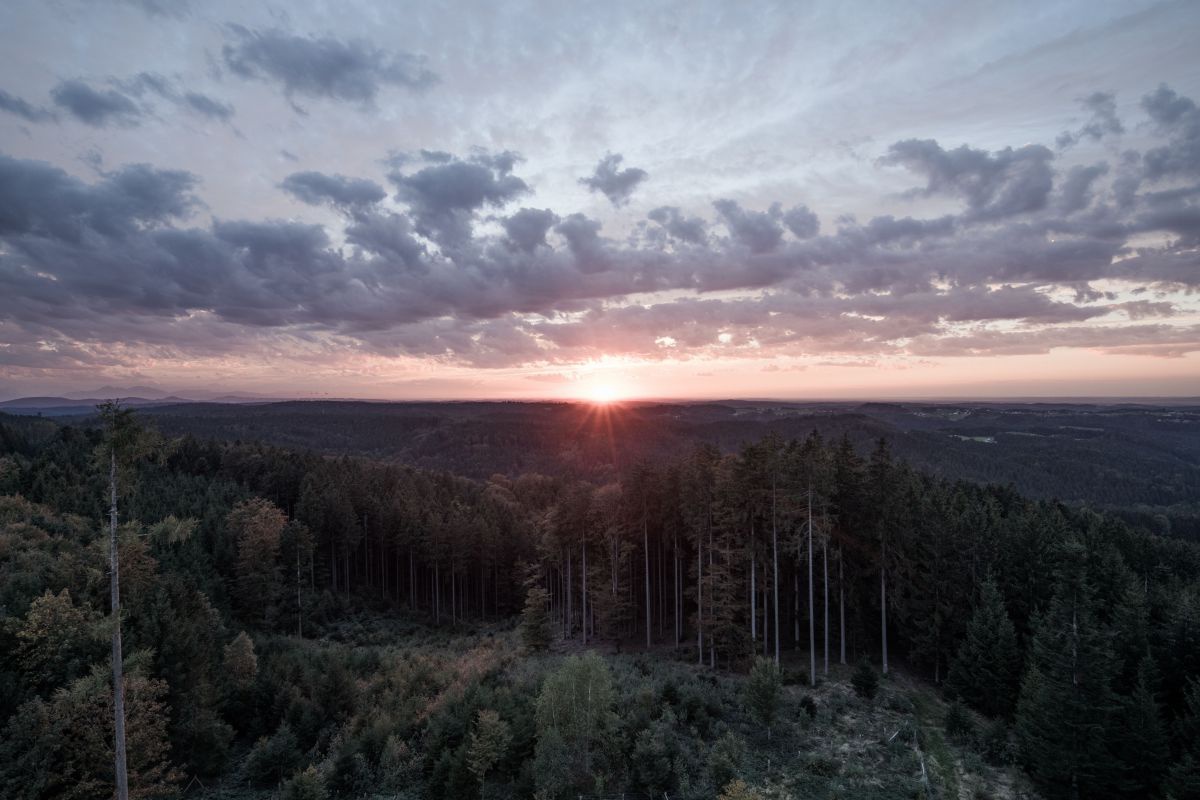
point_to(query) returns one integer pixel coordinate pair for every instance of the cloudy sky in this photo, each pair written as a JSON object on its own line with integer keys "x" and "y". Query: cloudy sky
{"x": 796, "y": 199}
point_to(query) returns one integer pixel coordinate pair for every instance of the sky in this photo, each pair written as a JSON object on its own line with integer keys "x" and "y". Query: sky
{"x": 540, "y": 200}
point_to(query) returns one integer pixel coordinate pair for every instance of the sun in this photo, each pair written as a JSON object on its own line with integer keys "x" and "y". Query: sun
{"x": 603, "y": 393}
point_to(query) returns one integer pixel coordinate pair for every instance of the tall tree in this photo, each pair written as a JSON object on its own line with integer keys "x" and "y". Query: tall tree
{"x": 1066, "y": 708}
{"x": 986, "y": 669}
{"x": 124, "y": 442}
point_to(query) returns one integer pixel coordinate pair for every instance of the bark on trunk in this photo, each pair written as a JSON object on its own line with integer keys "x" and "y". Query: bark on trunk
{"x": 122, "y": 775}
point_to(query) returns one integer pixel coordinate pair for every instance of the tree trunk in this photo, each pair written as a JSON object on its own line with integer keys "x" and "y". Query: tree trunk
{"x": 812, "y": 633}
{"x": 583, "y": 593}
{"x": 646, "y": 556}
{"x": 775, "y": 569}
{"x": 825, "y": 568}
{"x": 753, "y": 601}
{"x": 122, "y": 774}
{"x": 699, "y": 601}
{"x": 842, "y": 604}
{"x": 883, "y": 604}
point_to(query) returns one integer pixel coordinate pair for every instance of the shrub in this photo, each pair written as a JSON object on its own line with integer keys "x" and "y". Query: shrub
{"x": 809, "y": 705}
{"x": 865, "y": 680}
{"x": 959, "y": 725}
{"x": 306, "y": 785}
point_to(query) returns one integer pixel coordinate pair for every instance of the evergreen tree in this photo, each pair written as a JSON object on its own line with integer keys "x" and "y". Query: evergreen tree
{"x": 986, "y": 670}
{"x": 865, "y": 680}
{"x": 1066, "y": 707}
{"x": 489, "y": 742}
{"x": 1144, "y": 745}
{"x": 764, "y": 689}
{"x": 536, "y": 632}
{"x": 1183, "y": 779}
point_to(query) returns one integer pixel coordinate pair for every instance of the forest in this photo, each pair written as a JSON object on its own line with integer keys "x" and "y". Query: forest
{"x": 799, "y": 616}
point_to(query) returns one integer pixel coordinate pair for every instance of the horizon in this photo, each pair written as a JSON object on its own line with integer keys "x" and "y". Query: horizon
{"x": 402, "y": 203}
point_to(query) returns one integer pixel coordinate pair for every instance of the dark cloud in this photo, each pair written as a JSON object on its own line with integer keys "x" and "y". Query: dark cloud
{"x": 1179, "y": 118}
{"x": 1103, "y": 121}
{"x": 994, "y": 185}
{"x": 526, "y": 229}
{"x": 316, "y": 188}
{"x": 802, "y": 222}
{"x": 353, "y": 70}
{"x": 203, "y": 104}
{"x": 688, "y": 229}
{"x": 444, "y": 197}
{"x": 1075, "y": 191}
{"x": 757, "y": 230}
{"x": 96, "y": 107}
{"x": 583, "y": 239}
{"x": 613, "y": 182}
{"x": 23, "y": 108}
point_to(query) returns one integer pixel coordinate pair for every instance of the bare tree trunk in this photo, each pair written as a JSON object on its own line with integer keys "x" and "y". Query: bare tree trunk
{"x": 122, "y": 774}
{"x": 583, "y": 593}
{"x": 812, "y": 633}
{"x": 675, "y": 588}
{"x": 700, "y": 601}
{"x": 299, "y": 608}
{"x": 842, "y": 604}
{"x": 883, "y": 604}
{"x": 825, "y": 567}
{"x": 646, "y": 556}
{"x": 775, "y": 568}
{"x": 753, "y": 600}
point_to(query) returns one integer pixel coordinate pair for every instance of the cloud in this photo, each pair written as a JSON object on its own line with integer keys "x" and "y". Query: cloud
{"x": 316, "y": 188}
{"x": 104, "y": 270}
{"x": 96, "y": 107}
{"x": 324, "y": 68}
{"x": 207, "y": 106}
{"x": 1103, "y": 121}
{"x": 687, "y": 229}
{"x": 1179, "y": 118}
{"x": 527, "y": 228}
{"x": 23, "y": 108}
{"x": 443, "y": 197}
{"x": 759, "y": 231}
{"x": 613, "y": 182}
{"x": 994, "y": 185}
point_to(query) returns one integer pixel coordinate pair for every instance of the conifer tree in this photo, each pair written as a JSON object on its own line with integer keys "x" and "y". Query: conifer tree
{"x": 764, "y": 688}
{"x": 1066, "y": 707}
{"x": 1144, "y": 746}
{"x": 986, "y": 670}
{"x": 1183, "y": 779}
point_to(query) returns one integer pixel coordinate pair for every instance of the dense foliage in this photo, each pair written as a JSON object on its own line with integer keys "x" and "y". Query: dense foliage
{"x": 267, "y": 592}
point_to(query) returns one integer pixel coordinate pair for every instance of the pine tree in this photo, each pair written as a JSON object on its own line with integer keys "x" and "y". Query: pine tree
{"x": 1144, "y": 745}
{"x": 763, "y": 691}
{"x": 986, "y": 670}
{"x": 1183, "y": 780}
{"x": 1066, "y": 707}
{"x": 488, "y": 744}
{"x": 535, "y": 618}
{"x": 865, "y": 680}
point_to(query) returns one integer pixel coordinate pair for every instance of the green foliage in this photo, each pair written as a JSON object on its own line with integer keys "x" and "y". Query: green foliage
{"x": 535, "y": 619}
{"x": 306, "y": 785}
{"x": 489, "y": 741}
{"x": 986, "y": 670}
{"x": 764, "y": 690}
{"x": 1145, "y": 748}
{"x": 576, "y": 723}
{"x": 273, "y": 758}
{"x": 1067, "y": 707}
{"x": 959, "y": 725}
{"x": 865, "y": 679}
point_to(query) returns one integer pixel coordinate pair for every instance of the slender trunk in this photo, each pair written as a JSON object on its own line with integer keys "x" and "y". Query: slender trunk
{"x": 646, "y": 556}
{"x": 775, "y": 568}
{"x": 570, "y": 598}
{"x": 842, "y": 604}
{"x": 122, "y": 775}
{"x": 700, "y": 601}
{"x": 825, "y": 568}
{"x": 583, "y": 594}
{"x": 796, "y": 608}
{"x": 299, "y": 608}
{"x": 675, "y": 585}
{"x": 883, "y": 604}
{"x": 812, "y": 633}
{"x": 753, "y": 601}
